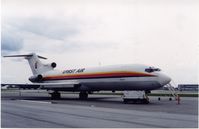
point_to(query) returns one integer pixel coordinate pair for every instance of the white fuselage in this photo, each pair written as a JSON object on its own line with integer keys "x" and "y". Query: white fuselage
{"x": 118, "y": 77}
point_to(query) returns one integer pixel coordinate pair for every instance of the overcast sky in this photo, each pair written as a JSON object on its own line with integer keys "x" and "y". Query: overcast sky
{"x": 85, "y": 33}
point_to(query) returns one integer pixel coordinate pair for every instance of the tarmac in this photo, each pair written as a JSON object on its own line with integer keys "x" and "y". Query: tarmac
{"x": 35, "y": 109}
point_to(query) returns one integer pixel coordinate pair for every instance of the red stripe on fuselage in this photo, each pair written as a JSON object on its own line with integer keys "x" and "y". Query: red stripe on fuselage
{"x": 97, "y": 75}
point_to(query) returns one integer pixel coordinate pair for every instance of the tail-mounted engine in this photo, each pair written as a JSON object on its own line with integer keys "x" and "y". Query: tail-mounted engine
{"x": 37, "y": 78}
{"x": 53, "y": 65}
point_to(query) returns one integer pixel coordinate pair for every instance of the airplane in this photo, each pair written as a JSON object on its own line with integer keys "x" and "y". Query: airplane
{"x": 88, "y": 80}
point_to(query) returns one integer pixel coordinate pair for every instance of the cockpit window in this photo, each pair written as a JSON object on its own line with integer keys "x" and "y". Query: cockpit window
{"x": 152, "y": 69}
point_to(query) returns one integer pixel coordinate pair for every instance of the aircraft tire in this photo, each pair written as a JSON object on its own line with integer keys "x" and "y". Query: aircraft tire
{"x": 83, "y": 95}
{"x": 146, "y": 101}
{"x": 125, "y": 101}
{"x": 55, "y": 95}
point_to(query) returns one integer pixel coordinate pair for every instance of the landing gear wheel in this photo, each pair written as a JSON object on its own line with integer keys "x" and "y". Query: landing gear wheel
{"x": 170, "y": 99}
{"x": 125, "y": 101}
{"x": 145, "y": 101}
{"x": 83, "y": 95}
{"x": 55, "y": 95}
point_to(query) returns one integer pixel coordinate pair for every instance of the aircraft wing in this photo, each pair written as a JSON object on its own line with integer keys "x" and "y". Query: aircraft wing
{"x": 70, "y": 84}
{"x": 17, "y": 85}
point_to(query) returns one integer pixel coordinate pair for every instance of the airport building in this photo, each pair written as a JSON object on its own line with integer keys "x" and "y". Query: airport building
{"x": 188, "y": 87}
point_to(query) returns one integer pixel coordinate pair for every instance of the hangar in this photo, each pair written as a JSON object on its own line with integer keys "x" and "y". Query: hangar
{"x": 188, "y": 87}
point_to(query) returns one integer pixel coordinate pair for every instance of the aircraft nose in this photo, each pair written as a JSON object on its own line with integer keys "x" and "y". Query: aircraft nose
{"x": 164, "y": 79}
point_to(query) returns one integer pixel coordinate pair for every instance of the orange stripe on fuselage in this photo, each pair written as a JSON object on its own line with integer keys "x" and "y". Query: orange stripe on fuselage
{"x": 97, "y": 75}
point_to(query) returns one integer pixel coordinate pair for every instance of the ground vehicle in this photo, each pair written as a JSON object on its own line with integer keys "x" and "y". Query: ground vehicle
{"x": 135, "y": 97}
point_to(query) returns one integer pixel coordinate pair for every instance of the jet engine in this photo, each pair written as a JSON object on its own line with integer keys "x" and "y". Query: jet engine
{"x": 53, "y": 64}
{"x": 36, "y": 78}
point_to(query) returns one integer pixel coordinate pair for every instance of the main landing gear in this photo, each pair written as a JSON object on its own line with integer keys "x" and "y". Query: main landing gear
{"x": 83, "y": 95}
{"x": 55, "y": 95}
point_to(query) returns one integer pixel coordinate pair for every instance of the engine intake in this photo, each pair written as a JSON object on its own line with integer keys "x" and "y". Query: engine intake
{"x": 37, "y": 78}
{"x": 53, "y": 65}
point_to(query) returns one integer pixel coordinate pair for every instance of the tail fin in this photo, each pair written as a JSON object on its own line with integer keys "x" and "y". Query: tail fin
{"x": 35, "y": 64}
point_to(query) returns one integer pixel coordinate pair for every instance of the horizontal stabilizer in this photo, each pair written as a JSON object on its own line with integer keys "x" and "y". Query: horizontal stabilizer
{"x": 28, "y": 55}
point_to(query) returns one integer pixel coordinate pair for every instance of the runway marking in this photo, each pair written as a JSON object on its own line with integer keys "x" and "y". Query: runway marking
{"x": 35, "y": 101}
